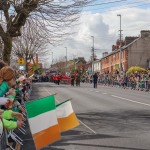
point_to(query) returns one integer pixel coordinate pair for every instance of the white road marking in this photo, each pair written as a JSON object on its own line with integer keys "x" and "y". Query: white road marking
{"x": 97, "y": 91}
{"x": 51, "y": 94}
{"x": 78, "y": 119}
{"x": 131, "y": 100}
{"x": 87, "y": 126}
{"x": 104, "y": 93}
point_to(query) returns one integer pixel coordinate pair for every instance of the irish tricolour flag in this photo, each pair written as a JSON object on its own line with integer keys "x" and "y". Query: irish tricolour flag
{"x": 43, "y": 121}
{"x": 66, "y": 116}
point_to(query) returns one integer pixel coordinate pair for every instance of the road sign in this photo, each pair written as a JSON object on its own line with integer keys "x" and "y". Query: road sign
{"x": 22, "y": 67}
{"x": 21, "y": 61}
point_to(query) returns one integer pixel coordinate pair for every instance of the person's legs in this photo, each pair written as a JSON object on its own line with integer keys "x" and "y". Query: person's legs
{"x": 94, "y": 84}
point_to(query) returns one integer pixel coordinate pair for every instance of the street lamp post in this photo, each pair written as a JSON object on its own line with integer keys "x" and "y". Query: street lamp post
{"x": 66, "y": 60}
{"x": 52, "y": 58}
{"x": 92, "y": 56}
{"x": 119, "y": 15}
{"x": 74, "y": 62}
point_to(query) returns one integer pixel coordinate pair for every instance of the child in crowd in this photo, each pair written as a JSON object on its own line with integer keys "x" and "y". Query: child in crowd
{"x": 7, "y": 81}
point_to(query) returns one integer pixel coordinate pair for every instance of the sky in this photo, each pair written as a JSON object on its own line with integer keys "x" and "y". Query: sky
{"x": 100, "y": 20}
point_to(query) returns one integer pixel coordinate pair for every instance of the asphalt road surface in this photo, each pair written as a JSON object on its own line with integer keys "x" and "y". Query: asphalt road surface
{"x": 110, "y": 118}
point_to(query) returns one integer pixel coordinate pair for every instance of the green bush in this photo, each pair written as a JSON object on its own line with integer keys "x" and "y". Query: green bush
{"x": 135, "y": 69}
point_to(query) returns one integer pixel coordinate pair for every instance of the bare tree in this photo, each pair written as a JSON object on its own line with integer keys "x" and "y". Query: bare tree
{"x": 31, "y": 42}
{"x": 1, "y": 47}
{"x": 53, "y": 17}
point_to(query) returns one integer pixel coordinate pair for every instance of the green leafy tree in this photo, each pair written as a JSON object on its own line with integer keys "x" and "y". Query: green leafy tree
{"x": 135, "y": 69}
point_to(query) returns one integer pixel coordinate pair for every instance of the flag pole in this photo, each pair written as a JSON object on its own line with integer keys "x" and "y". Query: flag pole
{"x": 41, "y": 98}
{"x": 63, "y": 102}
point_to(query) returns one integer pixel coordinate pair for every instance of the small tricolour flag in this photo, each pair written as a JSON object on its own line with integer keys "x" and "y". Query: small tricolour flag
{"x": 66, "y": 116}
{"x": 43, "y": 121}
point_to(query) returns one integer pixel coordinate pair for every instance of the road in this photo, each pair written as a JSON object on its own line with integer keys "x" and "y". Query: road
{"x": 110, "y": 118}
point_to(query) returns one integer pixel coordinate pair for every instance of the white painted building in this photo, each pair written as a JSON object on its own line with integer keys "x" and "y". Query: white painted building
{"x": 97, "y": 66}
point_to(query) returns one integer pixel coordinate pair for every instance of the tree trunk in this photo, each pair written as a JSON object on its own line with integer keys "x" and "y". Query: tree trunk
{"x": 7, "y": 48}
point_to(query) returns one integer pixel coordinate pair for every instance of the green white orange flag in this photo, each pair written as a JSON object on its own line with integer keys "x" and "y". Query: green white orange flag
{"x": 66, "y": 116}
{"x": 43, "y": 121}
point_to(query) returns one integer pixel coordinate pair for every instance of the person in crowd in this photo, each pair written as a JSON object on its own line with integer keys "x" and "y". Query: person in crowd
{"x": 137, "y": 80}
{"x": 95, "y": 78}
{"x": 7, "y": 80}
{"x": 58, "y": 78}
{"x": 91, "y": 79}
{"x": 72, "y": 79}
{"x": 40, "y": 78}
{"x": 134, "y": 81}
{"x": 125, "y": 80}
{"x": 78, "y": 80}
{"x": 7, "y": 115}
{"x": 54, "y": 78}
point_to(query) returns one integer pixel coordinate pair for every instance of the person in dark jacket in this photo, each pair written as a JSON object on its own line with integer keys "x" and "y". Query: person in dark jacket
{"x": 72, "y": 79}
{"x": 95, "y": 78}
{"x": 78, "y": 80}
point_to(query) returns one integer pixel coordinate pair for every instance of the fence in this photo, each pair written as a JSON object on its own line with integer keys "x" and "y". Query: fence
{"x": 4, "y": 135}
{"x": 142, "y": 85}
{"x": 3, "y": 139}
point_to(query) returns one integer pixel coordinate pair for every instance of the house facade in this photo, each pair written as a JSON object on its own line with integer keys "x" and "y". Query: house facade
{"x": 111, "y": 62}
{"x": 135, "y": 52}
{"x": 97, "y": 66}
{"x": 139, "y": 51}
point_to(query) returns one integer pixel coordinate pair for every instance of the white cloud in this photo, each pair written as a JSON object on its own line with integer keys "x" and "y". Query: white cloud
{"x": 80, "y": 43}
{"x": 104, "y": 27}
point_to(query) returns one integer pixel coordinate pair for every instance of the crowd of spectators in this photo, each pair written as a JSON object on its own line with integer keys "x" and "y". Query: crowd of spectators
{"x": 15, "y": 88}
{"x": 136, "y": 81}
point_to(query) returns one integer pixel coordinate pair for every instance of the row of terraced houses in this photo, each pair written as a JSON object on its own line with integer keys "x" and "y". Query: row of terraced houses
{"x": 135, "y": 51}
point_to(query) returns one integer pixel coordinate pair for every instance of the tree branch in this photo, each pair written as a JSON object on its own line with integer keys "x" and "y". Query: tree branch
{"x": 1, "y": 31}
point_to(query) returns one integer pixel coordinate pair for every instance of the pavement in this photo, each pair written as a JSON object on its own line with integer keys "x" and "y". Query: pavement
{"x": 110, "y": 118}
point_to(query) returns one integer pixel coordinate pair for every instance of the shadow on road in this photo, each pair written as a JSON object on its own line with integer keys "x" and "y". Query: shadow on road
{"x": 102, "y": 122}
{"x": 121, "y": 121}
{"x": 70, "y": 136}
{"x": 99, "y": 146}
{"x": 66, "y": 142}
{"x": 109, "y": 122}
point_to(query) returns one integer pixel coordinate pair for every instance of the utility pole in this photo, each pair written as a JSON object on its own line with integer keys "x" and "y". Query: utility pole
{"x": 66, "y": 60}
{"x": 74, "y": 62}
{"x": 120, "y": 45}
{"x": 93, "y": 56}
{"x": 52, "y": 58}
